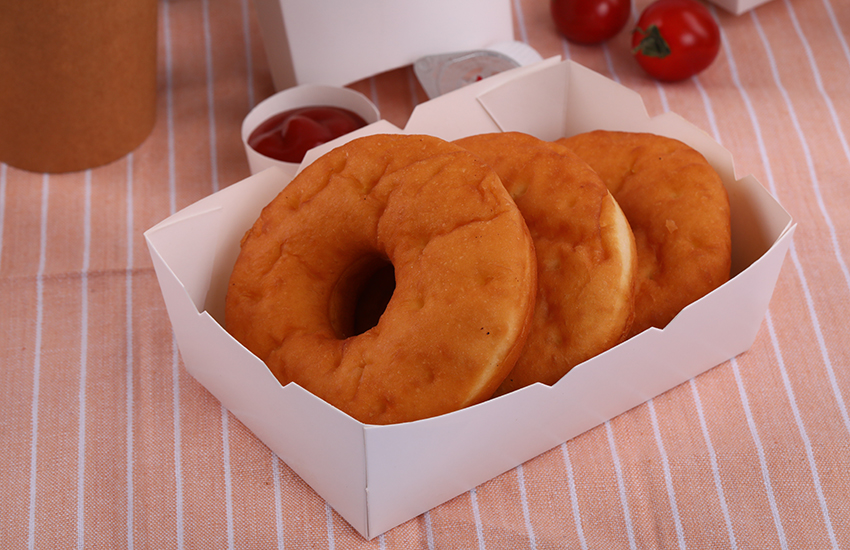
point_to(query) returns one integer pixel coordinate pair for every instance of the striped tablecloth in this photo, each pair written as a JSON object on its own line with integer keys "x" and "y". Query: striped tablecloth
{"x": 107, "y": 442}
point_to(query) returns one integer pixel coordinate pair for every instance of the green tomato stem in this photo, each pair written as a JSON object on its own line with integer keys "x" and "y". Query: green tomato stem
{"x": 652, "y": 44}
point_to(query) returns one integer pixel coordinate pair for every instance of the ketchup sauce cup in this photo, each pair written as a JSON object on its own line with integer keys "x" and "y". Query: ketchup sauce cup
{"x": 307, "y": 95}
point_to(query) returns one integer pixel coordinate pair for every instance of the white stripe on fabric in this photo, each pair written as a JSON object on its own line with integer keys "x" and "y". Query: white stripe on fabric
{"x": 225, "y": 419}
{"x": 565, "y": 48}
{"x": 733, "y": 70}
{"x": 373, "y": 92}
{"x": 715, "y": 131}
{"x": 208, "y": 60}
{"x": 175, "y": 358}
{"x": 249, "y": 58}
{"x": 129, "y": 361}
{"x": 837, "y": 28}
{"x": 476, "y": 515}
{"x": 810, "y": 305}
{"x": 662, "y": 95}
{"x": 765, "y": 473}
{"x": 228, "y": 484}
{"x": 709, "y": 110}
{"x": 169, "y": 109}
{"x": 571, "y": 483}
{"x": 3, "y": 178}
{"x": 621, "y": 485}
{"x": 742, "y": 392}
{"x": 798, "y": 128}
{"x": 429, "y": 531}
{"x": 411, "y": 84}
{"x": 807, "y": 48}
{"x": 36, "y": 370}
{"x": 843, "y": 140}
{"x": 606, "y": 52}
{"x": 278, "y": 501}
{"x": 520, "y": 18}
{"x": 329, "y": 520}
{"x": 798, "y": 419}
{"x": 715, "y": 470}
{"x": 668, "y": 477}
{"x": 793, "y": 249}
{"x": 84, "y": 337}
{"x": 524, "y": 501}
{"x": 178, "y": 454}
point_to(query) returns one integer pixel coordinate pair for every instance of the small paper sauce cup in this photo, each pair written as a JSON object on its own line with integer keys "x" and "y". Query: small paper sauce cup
{"x": 301, "y": 96}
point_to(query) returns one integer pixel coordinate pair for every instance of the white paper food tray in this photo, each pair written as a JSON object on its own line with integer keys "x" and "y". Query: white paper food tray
{"x": 337, "y": 42}
{"x": 377, "y": 477}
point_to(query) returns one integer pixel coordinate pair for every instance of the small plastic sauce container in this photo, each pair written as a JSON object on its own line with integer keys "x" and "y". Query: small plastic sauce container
{"x": 317, "y": 111}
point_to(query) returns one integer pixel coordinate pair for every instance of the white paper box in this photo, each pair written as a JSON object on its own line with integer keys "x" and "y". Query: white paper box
{"x": 337, "y": 42}
{"x": 377, "y": 477}
{"x": 739, "y": 6}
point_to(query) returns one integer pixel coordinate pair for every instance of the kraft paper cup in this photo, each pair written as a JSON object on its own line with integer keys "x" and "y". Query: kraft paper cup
{"x": 301, "y": 96}
{"x": 77, "y": 81}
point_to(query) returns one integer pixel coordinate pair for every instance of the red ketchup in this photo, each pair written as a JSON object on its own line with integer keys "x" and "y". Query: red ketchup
{"x": 287, "y": 136}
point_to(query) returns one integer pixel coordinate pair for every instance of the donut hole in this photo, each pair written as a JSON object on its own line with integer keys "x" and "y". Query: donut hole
{"x": 361, "y": 296}
{"x": 372, "y": 300}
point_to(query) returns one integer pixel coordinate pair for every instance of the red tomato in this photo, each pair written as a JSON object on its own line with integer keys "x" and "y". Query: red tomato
{"x": 589, "y": 21}
{"x": 675, "y": 39}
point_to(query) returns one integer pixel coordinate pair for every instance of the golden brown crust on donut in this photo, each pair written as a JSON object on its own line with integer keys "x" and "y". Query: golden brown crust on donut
{"x": 464, "y": 269}
{"x": 679, "y": 213}
{"x": 585, "y": 252}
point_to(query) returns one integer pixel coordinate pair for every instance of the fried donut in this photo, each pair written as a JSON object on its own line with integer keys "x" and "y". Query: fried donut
{"x": 464, "y": 272}
{"x": 679, "y": 213}
{"x": 586, "y": 257}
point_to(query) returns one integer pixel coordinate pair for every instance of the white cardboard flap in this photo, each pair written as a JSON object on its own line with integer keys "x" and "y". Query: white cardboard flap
{"x": 324, "y": 446}
{"x": 739, "y": 6}
{"x": 337, "y": 42}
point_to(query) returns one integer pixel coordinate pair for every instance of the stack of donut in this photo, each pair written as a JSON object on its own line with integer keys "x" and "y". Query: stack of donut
{"x": 400, "y": 277}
